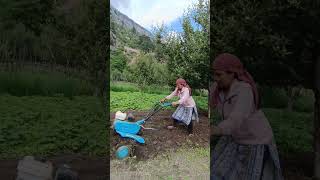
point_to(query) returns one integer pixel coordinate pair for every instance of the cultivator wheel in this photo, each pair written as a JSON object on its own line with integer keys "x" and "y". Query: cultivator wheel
{"x": 131, "y": 144}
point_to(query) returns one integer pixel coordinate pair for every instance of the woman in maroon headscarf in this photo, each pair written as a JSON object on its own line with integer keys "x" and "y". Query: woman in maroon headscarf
{"x": 186, "y": 111}
{"x": 246, "y": 149}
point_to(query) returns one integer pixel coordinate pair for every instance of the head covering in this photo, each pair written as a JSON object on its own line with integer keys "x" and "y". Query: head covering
{"x": 184, "y": 84}
{"x": 231, "y": 63}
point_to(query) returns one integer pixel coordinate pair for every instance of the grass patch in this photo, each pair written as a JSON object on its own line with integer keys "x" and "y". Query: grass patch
{"x": 51, "y": 125}
{"x": 44, "y": 84}
{"x": 120, "y": 86}
{"x": 292, "y": 130}
{"x": 123, "y": 87}
{"x": 170, "y": 165}
{"x": 131, "y": 87}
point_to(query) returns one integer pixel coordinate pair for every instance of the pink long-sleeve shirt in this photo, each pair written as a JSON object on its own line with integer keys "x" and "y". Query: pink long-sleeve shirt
{"x": 184, "y": 97}
{"x": 241, "y": 119}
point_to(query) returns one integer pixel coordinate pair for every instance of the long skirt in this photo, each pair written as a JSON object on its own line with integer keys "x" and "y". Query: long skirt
{"x": 233, "y": 161}
{"x": 185, "y": 114}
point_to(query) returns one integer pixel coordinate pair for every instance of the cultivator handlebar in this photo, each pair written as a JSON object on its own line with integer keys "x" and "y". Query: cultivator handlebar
{"x": 156, "y": 108}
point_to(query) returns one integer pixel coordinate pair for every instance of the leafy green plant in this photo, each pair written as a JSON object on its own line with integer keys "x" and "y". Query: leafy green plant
{"x": 51, "y": 126}
{"x": 143, "y": 101}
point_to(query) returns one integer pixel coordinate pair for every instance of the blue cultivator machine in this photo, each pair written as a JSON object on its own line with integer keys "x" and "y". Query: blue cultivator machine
{"x": 130, "y": 129}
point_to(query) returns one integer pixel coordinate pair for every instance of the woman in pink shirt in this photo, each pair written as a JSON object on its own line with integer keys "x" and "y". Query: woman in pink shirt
{"x": 186, "y": 111}
{"x": 246, "y": 149}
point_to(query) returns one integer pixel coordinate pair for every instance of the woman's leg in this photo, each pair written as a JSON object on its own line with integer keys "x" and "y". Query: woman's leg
{"x": 271, "y": 165}
{"x": 190, "y": 128}
{"x": 174, "y": 122}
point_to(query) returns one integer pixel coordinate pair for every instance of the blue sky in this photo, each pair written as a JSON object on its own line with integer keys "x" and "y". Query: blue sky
{"x": 149, "y": 13}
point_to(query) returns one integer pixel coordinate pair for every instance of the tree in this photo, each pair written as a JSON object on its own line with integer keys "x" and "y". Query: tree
{"x": 33, "y": 14}
{"x": 159, "y": 46}
{"x": 187, "y": 53}
{"x": 118, "y": 60}
{"x": 145, "y": 43}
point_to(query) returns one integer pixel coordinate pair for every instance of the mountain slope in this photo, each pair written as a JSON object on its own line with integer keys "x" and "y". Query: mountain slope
{"x": 125, "y": 21}
{"x": 124, "y": 32}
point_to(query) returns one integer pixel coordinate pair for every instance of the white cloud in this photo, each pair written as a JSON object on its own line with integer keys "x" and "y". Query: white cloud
{"x": 120, "y": 3}
{"x": 154, "y": 12}
{"x": 123, "y": 6}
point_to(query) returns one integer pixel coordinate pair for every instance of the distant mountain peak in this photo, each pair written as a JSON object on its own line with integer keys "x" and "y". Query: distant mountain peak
{"x": 127, "y": 22}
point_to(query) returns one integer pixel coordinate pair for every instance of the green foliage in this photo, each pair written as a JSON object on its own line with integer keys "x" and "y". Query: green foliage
{"x": 118, "y": 63}
{"x": 159, "y": 32}
{"x": 118, "y": 60}
{"x": 145, "y": 43}
{"x": 51, "y": 126}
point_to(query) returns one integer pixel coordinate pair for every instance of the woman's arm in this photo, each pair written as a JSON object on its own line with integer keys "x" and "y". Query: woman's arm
{"x": 174, "y": 93}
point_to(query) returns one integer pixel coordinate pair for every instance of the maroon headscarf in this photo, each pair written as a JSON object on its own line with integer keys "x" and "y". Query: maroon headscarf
{"x": 184, "y": 83}
{"x": 231, "y": 63}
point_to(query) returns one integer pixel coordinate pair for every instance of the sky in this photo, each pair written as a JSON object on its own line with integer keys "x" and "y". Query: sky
{"x": 149, "y": 13}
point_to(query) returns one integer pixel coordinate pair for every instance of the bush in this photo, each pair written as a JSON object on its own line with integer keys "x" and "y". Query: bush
{"x": 147, "y": 71}
{"x": 116, "y": 75}
{"x": 118, "y": 60}
{"x": 304, "y": 103}
{"x": 118, "y": 63}
{"x": 277, "y": 98}
{"x": 273, "y": 97}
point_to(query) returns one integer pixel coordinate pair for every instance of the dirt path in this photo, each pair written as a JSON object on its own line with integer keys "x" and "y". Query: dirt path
{"x": 161, "y": 140}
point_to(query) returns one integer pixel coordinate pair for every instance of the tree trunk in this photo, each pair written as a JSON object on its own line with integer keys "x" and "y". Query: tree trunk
{"x": 293, "y": 93}
{"x": 317, "y": 135}
{"x": 210, "y": 97}
{"x": 290, "y": 98}
{"x": 317, "y": 120}
{"x": 290, "y": 104}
